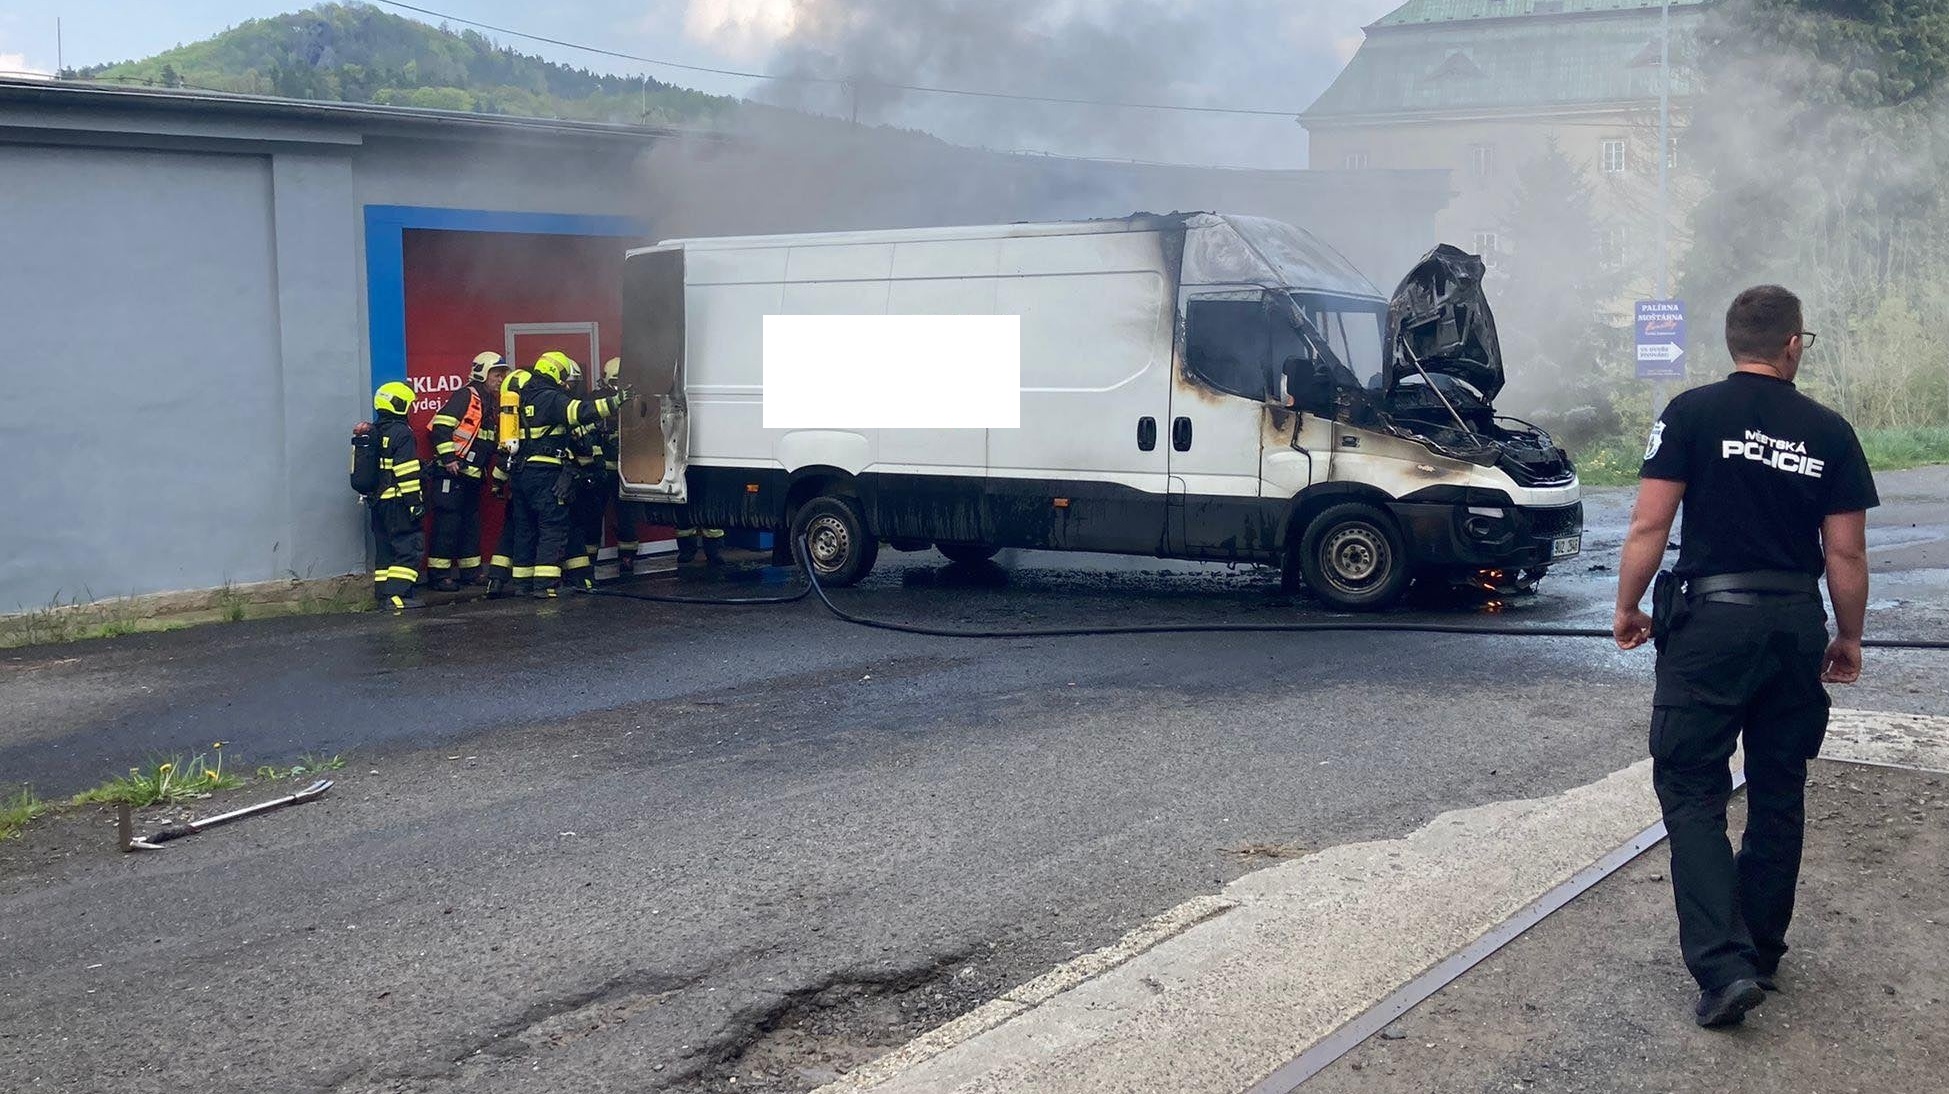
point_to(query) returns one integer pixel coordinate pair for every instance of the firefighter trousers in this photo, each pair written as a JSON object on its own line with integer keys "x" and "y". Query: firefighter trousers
{"x": 456, "y": 527}
{"x": 1733, "y": 671}
{"x": 541, "y": 511}
{"x": 592, "y": 493}
{"x": 630, "y": 516}
{"x": 398, "y": 543}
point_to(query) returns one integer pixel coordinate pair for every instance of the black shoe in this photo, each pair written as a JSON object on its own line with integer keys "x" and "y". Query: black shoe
{"x": 545, "y": 592}
{"x": 686, "y": 551}
{"x": 1766, "y": 982}
{"x": 496, "y": 588}
{"x": 446, "y": 585}
{"x": 1728, "y": 1005}
{"x": 713, "y": 555}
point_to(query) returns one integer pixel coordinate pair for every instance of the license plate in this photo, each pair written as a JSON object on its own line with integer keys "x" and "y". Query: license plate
{"x": 1567, "y": 546}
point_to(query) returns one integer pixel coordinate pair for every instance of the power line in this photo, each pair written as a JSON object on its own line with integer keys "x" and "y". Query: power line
{"x": 843, "y": 81}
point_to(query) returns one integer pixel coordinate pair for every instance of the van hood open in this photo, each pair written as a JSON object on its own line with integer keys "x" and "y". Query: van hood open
{"x": 1440, "y": 319}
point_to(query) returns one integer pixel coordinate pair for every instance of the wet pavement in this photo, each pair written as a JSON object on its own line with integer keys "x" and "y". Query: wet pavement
{"x": 605, "y": 844}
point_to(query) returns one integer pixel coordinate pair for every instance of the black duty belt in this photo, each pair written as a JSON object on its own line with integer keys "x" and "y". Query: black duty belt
{"x": 1753, "y": 587}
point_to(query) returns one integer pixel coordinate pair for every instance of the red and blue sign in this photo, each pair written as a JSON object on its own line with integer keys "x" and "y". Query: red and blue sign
{"x": 1661, "y": 339}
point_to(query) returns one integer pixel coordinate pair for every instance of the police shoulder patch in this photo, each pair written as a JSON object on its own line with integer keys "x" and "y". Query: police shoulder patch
{"x": 1657, "y": 440}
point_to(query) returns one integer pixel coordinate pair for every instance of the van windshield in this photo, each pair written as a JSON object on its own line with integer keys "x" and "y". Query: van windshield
{"x": 1352, "y": 329}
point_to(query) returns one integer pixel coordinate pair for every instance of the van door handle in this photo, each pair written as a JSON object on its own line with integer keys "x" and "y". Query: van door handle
{"x": 1181, "y": 434}
{"x": 1146, "y": 434}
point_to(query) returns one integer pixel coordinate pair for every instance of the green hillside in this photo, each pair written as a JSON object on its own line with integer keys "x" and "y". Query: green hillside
{"x": 354, "y": 52}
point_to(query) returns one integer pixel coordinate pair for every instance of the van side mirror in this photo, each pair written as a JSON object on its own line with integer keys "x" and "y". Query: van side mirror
{"x": 1310, "y": 383}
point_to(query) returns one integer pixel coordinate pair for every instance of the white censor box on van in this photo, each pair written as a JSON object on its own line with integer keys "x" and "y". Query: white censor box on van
{"x": 893, "y": 371}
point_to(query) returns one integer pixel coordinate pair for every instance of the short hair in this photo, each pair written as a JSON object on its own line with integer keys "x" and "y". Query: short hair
{"x": 1760, "y": 322}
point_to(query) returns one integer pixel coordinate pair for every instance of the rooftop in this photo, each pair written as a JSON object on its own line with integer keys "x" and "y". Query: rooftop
{"x": 1448, "y": 11}
{"x": 1467, "y": 56}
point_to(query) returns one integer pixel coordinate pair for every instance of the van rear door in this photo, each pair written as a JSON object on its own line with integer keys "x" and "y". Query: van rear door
{"x": 655, "y": 433}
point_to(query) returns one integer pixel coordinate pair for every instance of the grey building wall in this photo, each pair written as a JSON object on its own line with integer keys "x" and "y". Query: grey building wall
{"x": 184, "y": 301}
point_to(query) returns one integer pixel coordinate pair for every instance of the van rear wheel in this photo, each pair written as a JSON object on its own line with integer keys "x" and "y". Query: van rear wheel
{"x": 1354, "y": 559}
{"x": 967, "y": 553}
{"x": 833, "y": 530}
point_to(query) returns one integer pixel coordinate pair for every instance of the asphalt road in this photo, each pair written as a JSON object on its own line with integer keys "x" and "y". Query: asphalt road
{"x": 603, "y": 844}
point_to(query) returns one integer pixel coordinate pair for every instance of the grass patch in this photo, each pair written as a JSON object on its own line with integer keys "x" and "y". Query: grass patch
{"x": 163, "y": 782}
{"x": 17, "y": 809}
{"x": 1895, "y": 449}
{"x": 307, "y": 764}
{"x": 1615, "y": 460}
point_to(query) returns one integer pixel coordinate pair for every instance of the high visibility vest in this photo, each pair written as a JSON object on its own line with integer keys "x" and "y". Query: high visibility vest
{"x": 469, "y": 426}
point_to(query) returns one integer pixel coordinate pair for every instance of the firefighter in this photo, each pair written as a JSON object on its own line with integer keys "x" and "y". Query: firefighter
{"x": 396, "y": 503}
{"x": 503, "y": 575}
{"x": 544, "y": 484}
{"x": 1775, "y": 492}
{"x": 629, "y": 515}
{"x": 585, "y": 460}
{"x": 463, "y": 434}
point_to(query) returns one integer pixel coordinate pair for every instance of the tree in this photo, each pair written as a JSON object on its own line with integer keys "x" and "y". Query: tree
{"x": 1556, "y": 284}
{"x": 169, "y": 77}
{"x": 1822, "y": 132}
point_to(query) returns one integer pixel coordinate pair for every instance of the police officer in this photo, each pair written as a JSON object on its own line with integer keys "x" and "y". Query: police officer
{"x": 463, "y": 435}
{"x": 396, "y": 504}
{"x": 544, "y": 486}
{"x": 1775, "y": 490}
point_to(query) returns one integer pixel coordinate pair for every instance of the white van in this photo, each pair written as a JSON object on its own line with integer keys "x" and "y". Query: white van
{"x": 1194, "y": 386}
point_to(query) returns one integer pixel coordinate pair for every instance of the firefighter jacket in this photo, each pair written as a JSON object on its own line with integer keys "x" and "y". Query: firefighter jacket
{"x": 549, "y": 415}
{"x": 474, "y": 402}
{"x": 399, "y": 460}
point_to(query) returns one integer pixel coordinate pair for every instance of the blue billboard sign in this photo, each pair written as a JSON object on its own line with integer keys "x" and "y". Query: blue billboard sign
{"x": 1661, "y": 339}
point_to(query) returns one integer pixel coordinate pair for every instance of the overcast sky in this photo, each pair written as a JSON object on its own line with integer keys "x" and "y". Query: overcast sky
{"x": 1261, "y": 53}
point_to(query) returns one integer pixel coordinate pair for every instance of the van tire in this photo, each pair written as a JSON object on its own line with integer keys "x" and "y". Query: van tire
{"x": 967, "y": 553}
{"x": 839, "y": 547}
{"x": 1354, "y": 559}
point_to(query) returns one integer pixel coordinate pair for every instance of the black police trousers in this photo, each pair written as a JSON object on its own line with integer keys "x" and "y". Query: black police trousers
{"x": 456, "y": 526}
{"x": 1733, "y": 670}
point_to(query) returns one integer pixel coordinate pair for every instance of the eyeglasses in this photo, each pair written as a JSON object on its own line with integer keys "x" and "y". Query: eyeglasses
{"x": 1807, "y": 339}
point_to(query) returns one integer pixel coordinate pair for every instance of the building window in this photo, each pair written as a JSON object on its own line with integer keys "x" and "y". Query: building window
{"x": 1482, "y": 160}
{"x": 1671, "y": 154}
{"x": 1613, "y": 246}
{"x": 1614, "y": 157}
{"x": 1354, "y": 161}
{"x": 1489, "y": 246}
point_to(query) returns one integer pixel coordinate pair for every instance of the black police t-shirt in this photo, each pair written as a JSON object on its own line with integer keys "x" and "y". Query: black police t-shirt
{"x": 1762, "y": 465}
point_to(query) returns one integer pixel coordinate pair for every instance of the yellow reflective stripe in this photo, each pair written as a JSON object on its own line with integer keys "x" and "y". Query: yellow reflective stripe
{"x": 379, "y": 576}
{"x": 502, "y": 561}
{"x": 439, "y": 563}
{"x": 470, "y": 470}
{"x": 446, "y": 448}
{"x": 579, "y": 562}
{"x": 471, "y": 562}
{"x": 713, "y": 533}
{"x": 405, "y": 573}
{"x": 445, "y": 419}
{"x": 628, "y": 546}
{"x": 524, "y": 572}
{"x": 406, "y": 467}
{"x": 548, "y": 571}
{"x": 544, "y": 459}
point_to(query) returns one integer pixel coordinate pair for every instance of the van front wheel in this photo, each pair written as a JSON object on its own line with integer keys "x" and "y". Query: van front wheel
{"x": 834, "y": 532}
{"x": 1353, "y": 558}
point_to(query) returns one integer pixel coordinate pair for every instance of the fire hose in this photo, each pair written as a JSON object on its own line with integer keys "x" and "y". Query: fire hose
{"x": 812, "y": 587}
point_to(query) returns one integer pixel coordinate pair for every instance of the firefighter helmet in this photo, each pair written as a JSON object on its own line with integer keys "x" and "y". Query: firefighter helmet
{"x": 555, "y": 365}
{"x": 484, "y": 364}
{"x": 393, "y": 398}
{"x": 612, "y": 371}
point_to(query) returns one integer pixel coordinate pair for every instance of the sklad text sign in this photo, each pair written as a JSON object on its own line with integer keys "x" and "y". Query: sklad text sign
{"x": 1661, "y": 339}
